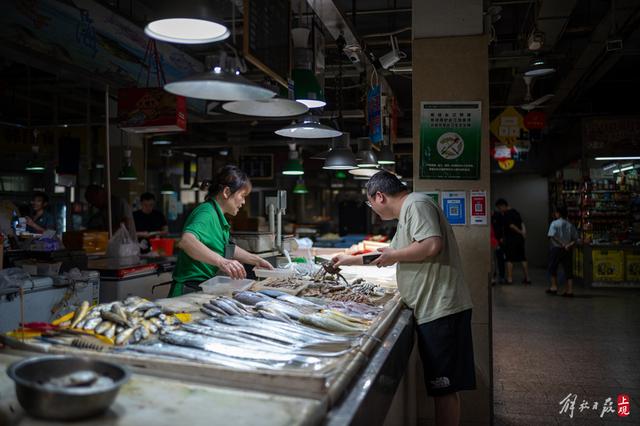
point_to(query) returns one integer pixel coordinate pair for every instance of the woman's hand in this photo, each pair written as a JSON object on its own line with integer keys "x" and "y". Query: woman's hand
{"x": 232, "y": 268}
{"x": 261, "y": 263}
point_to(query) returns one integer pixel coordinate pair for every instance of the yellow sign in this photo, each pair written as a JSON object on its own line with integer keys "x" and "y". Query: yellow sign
{"x": 577, "y": 262}
{"x": 506, "y": 126}
{"x": 633, "y": 266}
{"x": 506, "y": 164}
{"x": 608, "y": 265}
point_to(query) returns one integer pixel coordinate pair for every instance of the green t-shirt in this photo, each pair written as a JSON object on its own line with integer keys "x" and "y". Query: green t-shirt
{"x": 208, "y": 224}
{"x": 433, "y": 288}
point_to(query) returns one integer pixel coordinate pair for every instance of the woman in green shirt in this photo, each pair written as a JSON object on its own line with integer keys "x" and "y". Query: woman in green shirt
{"x": 206, "y": 235}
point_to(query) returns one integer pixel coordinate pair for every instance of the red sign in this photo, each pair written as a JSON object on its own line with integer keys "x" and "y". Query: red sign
{"x": 478, "y": 207}
{"x": 623, "y": 405}
{"x": 151, "y": 110}
{"x": 535, "y": 120}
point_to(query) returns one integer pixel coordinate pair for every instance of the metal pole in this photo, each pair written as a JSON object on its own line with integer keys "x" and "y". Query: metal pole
{"x": 108, "y": 159}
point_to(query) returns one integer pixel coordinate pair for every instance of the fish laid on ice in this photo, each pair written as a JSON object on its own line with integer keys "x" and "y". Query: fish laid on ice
{"x": 115, "y": 318}
{"x": 250, "y": 297}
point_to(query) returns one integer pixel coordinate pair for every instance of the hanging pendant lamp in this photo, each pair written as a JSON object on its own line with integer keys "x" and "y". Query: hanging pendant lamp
{"x": 267, "y": 108}
{"x": 222, "y": 83}
{"x": 366, "y": 157}
{"x": 308, "y": 127}
{"x": 307, "y": 89}
{"x": 293, "y": 166}
{"x": 341, "y": 157}
{"x": 300, "y": 187}
{"x": 185, "y": 22}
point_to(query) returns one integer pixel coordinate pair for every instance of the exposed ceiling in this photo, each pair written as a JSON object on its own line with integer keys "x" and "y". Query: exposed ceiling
{"x": 590, "y": 80}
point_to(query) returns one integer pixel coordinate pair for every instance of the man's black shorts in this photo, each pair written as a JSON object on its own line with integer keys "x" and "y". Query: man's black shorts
{"x": 446, "y": 350}
{"x": 561, "y": 257}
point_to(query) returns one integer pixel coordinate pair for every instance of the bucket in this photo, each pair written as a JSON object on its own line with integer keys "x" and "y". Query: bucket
{"x": 163, "y": 246}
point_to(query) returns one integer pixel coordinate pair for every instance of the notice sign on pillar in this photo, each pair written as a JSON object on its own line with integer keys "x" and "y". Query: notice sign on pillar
{"x": 450, "y": 139}
{"x": 478, "y": 202}
{"x": 454, "y": 207}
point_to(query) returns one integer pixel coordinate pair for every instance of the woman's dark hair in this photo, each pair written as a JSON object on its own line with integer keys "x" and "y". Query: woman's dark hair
{"x": 41, "y": 195}
{"x": 385, "y": 182}
{"x": 229, "y": 176}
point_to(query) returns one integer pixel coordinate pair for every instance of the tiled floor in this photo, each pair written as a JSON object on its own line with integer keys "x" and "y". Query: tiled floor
{"x": 547, "y": 347}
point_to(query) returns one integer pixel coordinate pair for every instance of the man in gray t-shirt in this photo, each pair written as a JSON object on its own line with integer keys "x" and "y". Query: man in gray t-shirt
{"x": 431, "y": 283}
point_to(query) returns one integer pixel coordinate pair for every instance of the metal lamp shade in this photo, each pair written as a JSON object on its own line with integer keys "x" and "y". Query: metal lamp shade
{"x": 307, "y": 88}
{"x": 293, "y": 168}
{"x": 267, "y": 108}
{"x": 363, "y": 173}
{"x": 386, "y": 156}
{"x": 539, "y": 68}
{"x": 185, "y": 22}
{"x": 300, "y": 187}
{"x": 127, "y": 173}
{"x": 340, "y": 159}
{"x": 219, "y": 85}
{"x": 167, "y": 189}
{"x": 308, "y": 128}
{"x": 367, "y": 158}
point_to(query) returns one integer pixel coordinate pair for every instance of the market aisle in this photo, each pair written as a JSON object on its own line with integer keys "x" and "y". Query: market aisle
{"x": 547, "y": 347}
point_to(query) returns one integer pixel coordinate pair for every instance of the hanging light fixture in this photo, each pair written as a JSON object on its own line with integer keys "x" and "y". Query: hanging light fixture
{"x": 308, "y": 127}
{"x": 167, "y": 188}
{"x": 36, "y": 164}
{"x": 160, "y": 140}
{"x": 185, "y": 22}
{"x": 341, "y": 157}
{"x": 366, "y": 157}
{"x": 386, "y": 156}
{"x": 293, "y": 166}
{"x": 361, "y": 173}
{"x": 267, "y": 108}
{"x": 127, "y": 172}
{"x": 222, "y": 83}
{"x": 307, "y": 89}
{"x": 300, "y": 187}
{"x": 538, "y": 67}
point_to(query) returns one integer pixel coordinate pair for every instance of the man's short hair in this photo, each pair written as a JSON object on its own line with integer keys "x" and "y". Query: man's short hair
{"x": 501, "y": 202}
{"x": 147, "y": 196}
{"x": 562, "y": 211}
{"x": 386, "y": 183}
{"x": 44, "y": 197}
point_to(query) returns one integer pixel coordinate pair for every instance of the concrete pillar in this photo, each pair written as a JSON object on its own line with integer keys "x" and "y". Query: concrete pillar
{"x": 450, "y": 63}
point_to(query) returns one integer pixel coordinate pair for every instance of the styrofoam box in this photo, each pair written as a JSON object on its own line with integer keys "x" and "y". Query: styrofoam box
{"x": 274, "y": 273}
{"x": 225, "y": 286}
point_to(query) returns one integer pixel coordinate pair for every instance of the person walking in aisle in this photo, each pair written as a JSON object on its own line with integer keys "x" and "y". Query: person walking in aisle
{"x": 514, "y": 237}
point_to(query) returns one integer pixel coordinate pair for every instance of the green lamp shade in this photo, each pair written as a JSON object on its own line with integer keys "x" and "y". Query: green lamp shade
{"x": 300, "y": 188}
{"x": 293, "y": 168}
{"x": 35, "y": 166}
{"x": 167, "y": 189}
{"x": 341, "y": 175}
{"x": 307, "y": 90}
{"x": 127, "y": 173}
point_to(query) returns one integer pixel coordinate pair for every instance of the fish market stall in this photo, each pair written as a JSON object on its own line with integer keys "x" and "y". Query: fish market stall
{"x": 315, "y": 335}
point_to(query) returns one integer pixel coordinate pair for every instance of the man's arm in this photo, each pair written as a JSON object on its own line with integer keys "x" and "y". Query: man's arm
{"x": 417, "y": 251}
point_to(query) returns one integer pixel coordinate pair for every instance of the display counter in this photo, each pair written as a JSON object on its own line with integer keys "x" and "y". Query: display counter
{"x": 607, "y": 265}
{"x": 357, "y": 390}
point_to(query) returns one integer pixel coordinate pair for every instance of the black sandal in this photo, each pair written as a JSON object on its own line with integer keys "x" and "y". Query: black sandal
{"x": 551, "y": 291}
{"x": 526, "y": 282}
{"x": 567, "y": 294}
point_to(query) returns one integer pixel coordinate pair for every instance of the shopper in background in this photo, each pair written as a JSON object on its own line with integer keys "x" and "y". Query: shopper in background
{"x": 40, "y": 219}
{"x": 431, "y": 283}
{"x": 149, "y": 221}
{"x": 514, "y": 235}
{"x": 563, "y": 236}
{"x": 497, "y": 227}
{"x": 96, "y": 196}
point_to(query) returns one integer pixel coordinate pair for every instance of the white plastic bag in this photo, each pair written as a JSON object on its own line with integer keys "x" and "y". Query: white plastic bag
{"x": 122, "y": 244}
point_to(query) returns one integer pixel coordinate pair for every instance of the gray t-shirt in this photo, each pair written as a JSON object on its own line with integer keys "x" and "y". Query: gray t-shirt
{"x": 563, "y": 231}
{"x": 435, "y": 287}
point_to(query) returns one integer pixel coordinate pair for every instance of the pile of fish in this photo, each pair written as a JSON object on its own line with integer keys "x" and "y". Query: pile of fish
{"x": 356, "y": 310}
{"x": 245, "y": 342}
{"x": 290, "y": 283}
{"x": 130, "y": 321}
